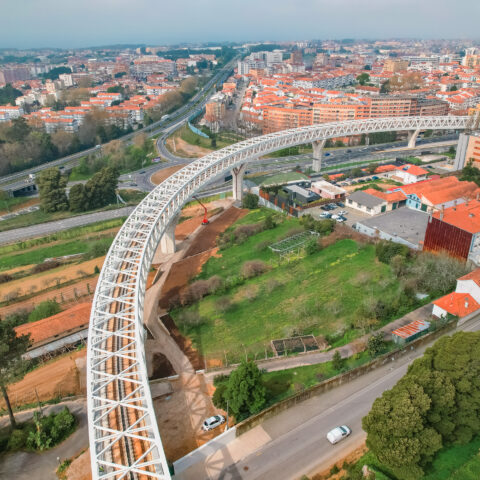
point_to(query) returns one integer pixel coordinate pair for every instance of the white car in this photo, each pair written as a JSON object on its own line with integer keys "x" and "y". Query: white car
{"x": 213, "y": 422}
{"x": 342, "y": 212}
{"x": 338, "y": 433}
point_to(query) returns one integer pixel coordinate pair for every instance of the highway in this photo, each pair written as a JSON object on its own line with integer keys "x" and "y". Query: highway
{"x": 195, "y": 104}
{"x": 293, "y": 443}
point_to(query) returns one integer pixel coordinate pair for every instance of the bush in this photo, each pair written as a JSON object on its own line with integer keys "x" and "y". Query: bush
{"x": 223, "y": 304}
{"x": 96, "y": 270}
{"x": 386, "y": 250}
{"x": 269, "y": 223}
{"x": 215, "y": 284}
{"x": 250, "y": 201}
{"x": 47, "y": 265}
{"x": 96, "y": 249}
{"x": 43, "y": 310}
{"x": 337, "y": 361}
{"x": 253, "y": 268}
{"x": 195, "y": 292}
{"x": 376, "y": 344}
{"x": 5, "y": 277}
{"x": 191, "y": 318}
{"x": 17, "y": 440}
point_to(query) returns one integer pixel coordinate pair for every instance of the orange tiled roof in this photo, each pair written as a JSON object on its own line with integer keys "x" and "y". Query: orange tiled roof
{"x": 56, "y": 325}
{"x": 465, "y": 216}
{"x": 412, "y": 169}
{"x": 390, "y": 197}
{"x": 475, "y": 276}
{"x": 459, "y": 304}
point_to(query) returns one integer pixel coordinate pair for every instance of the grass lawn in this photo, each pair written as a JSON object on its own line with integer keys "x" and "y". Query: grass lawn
{"x": 6, "y": 204}
{"x": 319, "y": 294}
{"x": 285, "y": 383}
{"x": 278, "y": 178}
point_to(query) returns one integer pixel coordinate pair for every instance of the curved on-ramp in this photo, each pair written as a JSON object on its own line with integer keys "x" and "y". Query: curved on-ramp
{"x": 124, "y": 437}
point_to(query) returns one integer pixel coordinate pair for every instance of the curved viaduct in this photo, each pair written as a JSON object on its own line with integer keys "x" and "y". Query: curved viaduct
{"x": 124, "y": 437}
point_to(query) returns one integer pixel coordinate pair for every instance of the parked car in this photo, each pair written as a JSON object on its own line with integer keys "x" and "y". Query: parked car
{"x": 340, "y": 204}
{"x": 338, "y": 433}
{"x": 375, "y": 177}
{"x": 213, "y": 422}
{"x": 325, "y": 215}
{"x": 335, "y": 216}
{"x": 341, "y": 218}
{"x": 324, "y": 207}
{"x": 326, "y": 154}
{"x": 348, "y": 151}
{"x": 342, "y": 212}
{"x": 332, "y": 205}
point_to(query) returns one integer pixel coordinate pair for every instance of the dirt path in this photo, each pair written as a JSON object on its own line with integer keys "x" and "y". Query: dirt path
{"x": 181, "y": 148}
{"x": 57, "y": 378}
{"x": 164, "y": 173}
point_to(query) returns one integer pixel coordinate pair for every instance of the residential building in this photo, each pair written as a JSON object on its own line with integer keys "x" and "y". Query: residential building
{"x": 327, "y": 190}
{"x": 400, "y": 226}
{"x": 408, "y": 174}
{"x": 468, "y": 148}
{"x": 393, "y": 65}
{"x": 8, "y": 112}
{"x": 366, "y": 203}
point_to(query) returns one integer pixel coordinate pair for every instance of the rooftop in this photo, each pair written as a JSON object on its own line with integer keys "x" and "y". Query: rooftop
{"x": 411, "y": 329}
{"x": 366, "y": 199}
{"x": 465, "y": 216}
{"x": 404, "y": 223}
{"x": 458, "y": 304}
{"x": 56, "y": 326}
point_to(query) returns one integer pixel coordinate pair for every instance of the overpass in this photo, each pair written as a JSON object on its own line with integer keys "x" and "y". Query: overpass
{"x": 124, "y": 437}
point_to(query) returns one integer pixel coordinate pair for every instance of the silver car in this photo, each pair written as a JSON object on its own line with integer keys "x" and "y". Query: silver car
{"x": 213, "y": 422}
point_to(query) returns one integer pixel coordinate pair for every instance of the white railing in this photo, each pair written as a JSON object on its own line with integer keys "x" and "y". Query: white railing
{"x": 124, "y": 437}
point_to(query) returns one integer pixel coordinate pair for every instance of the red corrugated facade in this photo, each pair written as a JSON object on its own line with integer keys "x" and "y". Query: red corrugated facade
{"x": 441, "y": 236}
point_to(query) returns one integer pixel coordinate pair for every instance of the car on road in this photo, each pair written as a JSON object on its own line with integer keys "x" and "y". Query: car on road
{"x": 213, "y": 422}
{"x": 142, "y": 172}
{"x": 338, "y": 433}
{"x": 133, "y": 184}
{"x": 326, "y": 154}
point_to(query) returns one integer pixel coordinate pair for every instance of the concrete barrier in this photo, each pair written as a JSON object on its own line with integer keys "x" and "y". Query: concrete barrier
{"x": 333, "y": 382}
{"x": 207, "y": 449}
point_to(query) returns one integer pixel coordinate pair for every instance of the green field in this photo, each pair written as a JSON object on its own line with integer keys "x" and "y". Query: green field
{"x": 278, "y": 178}
{"x": 319, "y": 294}
{"x": 223, "y": 139}
{"x": 7, "y": 203}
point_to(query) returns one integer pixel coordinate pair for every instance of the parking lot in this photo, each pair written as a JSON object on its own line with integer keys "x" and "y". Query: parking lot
{"x": 352, "y": 215}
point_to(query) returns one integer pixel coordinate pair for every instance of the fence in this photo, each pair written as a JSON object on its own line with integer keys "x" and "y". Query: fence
{"x": 323, "y": 387}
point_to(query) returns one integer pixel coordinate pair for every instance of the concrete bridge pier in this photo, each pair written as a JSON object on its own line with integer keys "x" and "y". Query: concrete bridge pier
{"x": 237, "y": 181}
{"x": 412, "y": 138}
{"x": 317, "y": 146}
{"x": 167, "y": 242}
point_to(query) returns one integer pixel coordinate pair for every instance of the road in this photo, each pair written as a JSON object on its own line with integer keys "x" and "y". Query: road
{"x": 293, "y": 443}
{"x": 193, "y": 105}
{"x": 48, "y": 228}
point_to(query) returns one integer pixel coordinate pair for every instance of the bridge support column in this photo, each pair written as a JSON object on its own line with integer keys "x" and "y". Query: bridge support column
{"x": 317, "y": 146}
{"x": 237, "y": 181}
{"x": 412, "y": 138}
{"x": 167, "y": 242}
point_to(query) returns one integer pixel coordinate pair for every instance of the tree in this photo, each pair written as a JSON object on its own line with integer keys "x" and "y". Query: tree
{"x": 51, "y": 185}
{"x": 77, "y": 198}
{"x": 44, "y": 309}
{"x": 376, "y": 344}
{"x": 337, "y": 361}
{"x": 245, "y": 392}
{"x": 250, "y": 201}
{"x": 398, "y": 432}
{"x": 269, "y": 222}
{"x": 12, "y": 366}
{"x": 363, "y": 78}
{"x": 101, "y": 189}
{"x": 8, "y": 94}
{"x": 62, "y": 141}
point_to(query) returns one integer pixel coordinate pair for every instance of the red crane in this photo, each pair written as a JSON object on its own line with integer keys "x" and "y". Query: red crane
{"x": 205, "y": 219}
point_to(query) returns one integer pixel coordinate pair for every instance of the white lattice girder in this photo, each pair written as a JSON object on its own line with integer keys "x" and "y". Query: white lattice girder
{"x": 120, "y": 291}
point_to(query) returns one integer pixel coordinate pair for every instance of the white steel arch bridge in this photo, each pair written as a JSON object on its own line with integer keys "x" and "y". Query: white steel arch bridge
{"x": 124, "y": 438}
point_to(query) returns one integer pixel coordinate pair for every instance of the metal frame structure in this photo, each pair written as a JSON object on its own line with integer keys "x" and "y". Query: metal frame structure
{"x": 295, "y": 242}
{"x": 124, "y": 438}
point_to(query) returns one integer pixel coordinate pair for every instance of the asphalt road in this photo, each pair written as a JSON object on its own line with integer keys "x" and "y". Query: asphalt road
{"x": 297, "y": 444}
{"x": 47, "y": 228}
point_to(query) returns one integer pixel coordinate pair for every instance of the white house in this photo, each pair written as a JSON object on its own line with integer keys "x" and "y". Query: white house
{"x": 408, "y": 174}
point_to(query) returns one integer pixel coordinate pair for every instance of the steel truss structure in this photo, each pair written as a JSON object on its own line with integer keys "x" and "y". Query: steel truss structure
{"x": 124, "y": 437}
{"x": 295, "y": 242}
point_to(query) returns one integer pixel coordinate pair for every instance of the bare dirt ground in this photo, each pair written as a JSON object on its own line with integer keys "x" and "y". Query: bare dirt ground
{"x": 44, "y": 280}
{"x": 350, "y": 457}
{"x": 82, "y": 290}
{"x": 181, "y": 414}
{"x": 80, "y": 468}
{"x": 57, "y": 378}
{"x": 197, "y": 254}
{"x": 164, "y": 173}
{"x": 181, "y": 148}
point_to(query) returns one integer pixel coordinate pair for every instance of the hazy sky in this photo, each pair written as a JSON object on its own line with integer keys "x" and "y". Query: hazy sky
{"x": 80, "y": 23}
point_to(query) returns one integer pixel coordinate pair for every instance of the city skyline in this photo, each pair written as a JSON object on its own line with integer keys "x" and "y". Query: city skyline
{"x": 56, "y": 24}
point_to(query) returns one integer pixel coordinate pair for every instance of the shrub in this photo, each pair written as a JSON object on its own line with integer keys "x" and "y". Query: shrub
{"x": 312, "y": 246}
{"x": 17, "y": 440}
{"x": 44, "y": 309}
{"x": 96, "y": 249}
{"x": 215, "y": 283}
{"x": 376, "y": 344}
{"x": 223, "y": 304}
{"x": 386, "y": 250}
{"x": 242, "y": 232}
{"x": 96, "y": 270}
{"x": 218, "y": 397}
{"x": 47, "y": 265}
{"x": 253, "y": 268}
{"x": 337, "y": 361}
{"x": 191, "y": 318}
{"x": 5, "y": 277}
{"x": 269, "y": 222}
{"x": 194, "y": 292}
{"x": 250, "y": 201}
